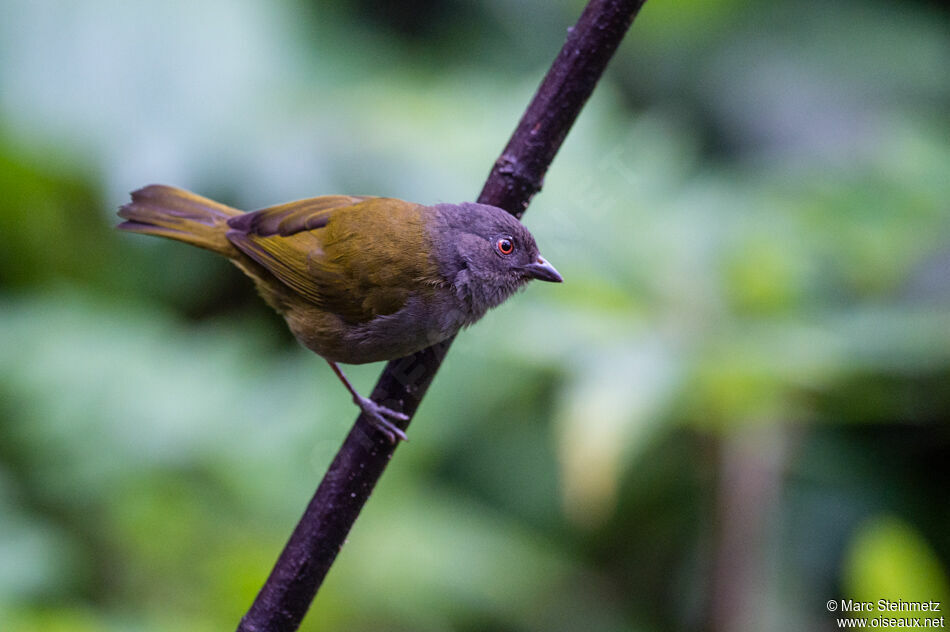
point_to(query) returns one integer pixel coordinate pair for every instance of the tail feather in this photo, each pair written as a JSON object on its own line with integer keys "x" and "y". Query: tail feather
{"x": 178, "y": 214}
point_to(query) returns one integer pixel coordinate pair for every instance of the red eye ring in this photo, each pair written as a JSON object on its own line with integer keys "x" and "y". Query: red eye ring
{"x": 505, "y": 246}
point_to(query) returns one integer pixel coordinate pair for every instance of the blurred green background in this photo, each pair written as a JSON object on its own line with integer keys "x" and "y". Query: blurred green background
{"x": 733, "y": 411}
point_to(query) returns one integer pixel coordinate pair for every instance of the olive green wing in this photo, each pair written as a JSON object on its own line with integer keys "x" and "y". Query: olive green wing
{"x": 341, "y": 253}
{"x": 294, "y": 217}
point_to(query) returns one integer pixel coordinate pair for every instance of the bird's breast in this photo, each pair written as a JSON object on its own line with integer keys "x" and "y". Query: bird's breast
{"x": 427, "y": 318}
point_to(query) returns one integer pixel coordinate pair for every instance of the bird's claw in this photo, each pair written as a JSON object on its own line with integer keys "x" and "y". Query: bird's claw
{"x": 378, "y": 415}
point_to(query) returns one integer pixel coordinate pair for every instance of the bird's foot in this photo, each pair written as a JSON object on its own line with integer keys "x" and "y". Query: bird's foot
{"x": 380, "y": 417}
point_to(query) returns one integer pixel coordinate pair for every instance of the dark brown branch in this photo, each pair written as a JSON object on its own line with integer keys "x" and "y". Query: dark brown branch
{"x": 519, "y": 172}
{"x": 516, "y": 176}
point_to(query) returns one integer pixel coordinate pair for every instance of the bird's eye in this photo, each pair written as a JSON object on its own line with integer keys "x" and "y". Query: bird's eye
{"x": 505, "y": 246}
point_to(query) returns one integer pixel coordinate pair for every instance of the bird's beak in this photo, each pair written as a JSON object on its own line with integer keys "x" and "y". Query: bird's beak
{"x": 543, "y": 271}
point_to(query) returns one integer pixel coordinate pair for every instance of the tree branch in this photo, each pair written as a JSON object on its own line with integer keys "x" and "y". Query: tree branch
{"x": 515, "y": 178}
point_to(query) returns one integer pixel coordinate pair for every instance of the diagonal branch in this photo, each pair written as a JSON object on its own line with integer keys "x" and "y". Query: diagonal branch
{"x": 515, "y": 178}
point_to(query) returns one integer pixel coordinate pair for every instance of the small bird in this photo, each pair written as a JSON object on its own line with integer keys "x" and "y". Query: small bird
{"x": 358, "y": 279}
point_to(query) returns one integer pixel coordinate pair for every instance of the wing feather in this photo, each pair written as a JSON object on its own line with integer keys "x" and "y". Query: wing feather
{"x": 340, "y": 253}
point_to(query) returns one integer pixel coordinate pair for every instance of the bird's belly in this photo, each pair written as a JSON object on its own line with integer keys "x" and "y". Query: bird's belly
{"x": 416, "y": 326}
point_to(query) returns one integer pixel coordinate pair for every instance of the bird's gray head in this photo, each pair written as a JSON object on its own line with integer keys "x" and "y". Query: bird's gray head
{"x": 486, "y": 254}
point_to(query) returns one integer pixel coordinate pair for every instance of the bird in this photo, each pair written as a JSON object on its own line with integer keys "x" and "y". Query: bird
{"x": 358, "y": 279}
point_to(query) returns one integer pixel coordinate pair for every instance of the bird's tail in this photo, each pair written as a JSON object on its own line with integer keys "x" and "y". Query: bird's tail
{"x": 178, "y": 214}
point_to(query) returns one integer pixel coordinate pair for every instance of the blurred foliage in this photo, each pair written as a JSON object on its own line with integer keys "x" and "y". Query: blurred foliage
{"x": 733, "y": 411}
{"x": 888, "y": 557}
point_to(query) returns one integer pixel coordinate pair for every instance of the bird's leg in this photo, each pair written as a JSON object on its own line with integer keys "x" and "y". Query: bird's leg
{"x": 377, "y": 413}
